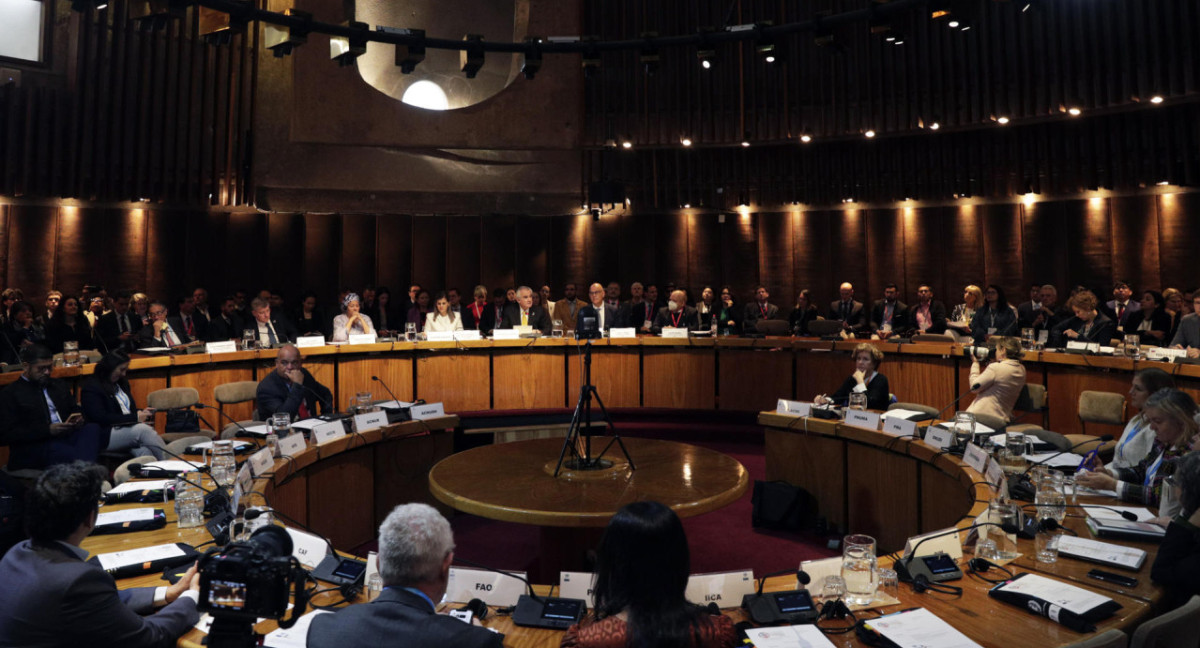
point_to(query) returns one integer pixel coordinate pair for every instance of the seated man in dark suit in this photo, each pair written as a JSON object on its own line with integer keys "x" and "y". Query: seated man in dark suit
{"x": 53, "y": 597}
{"x": 604, "y": 312}
{"x": 118, "y": 327}
{"x": 291, "y": 389}
{"x": 847, "y": 311}
{"x": 927, "y": 315}
{"x": 759, "y": 309}
{"x": 524, "y": 313}
{"x": 493, "y": 313}
{"x": 889, "y": 315}
{"x": 163, "y": 331}
{"x": 677, "y": 314}
{"x": 226, "y": 324}
{"x": 42, "y": 424}
{"x": 416, "y": 548}
{"x": 638, "y": 311}
{"x": 271, "y": 329}
{"x": 190, "y": 320}
{"x": 1027, "y": 311}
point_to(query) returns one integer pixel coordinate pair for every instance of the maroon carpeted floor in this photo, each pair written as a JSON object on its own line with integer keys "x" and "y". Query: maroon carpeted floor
{"x": 722, "y": 540}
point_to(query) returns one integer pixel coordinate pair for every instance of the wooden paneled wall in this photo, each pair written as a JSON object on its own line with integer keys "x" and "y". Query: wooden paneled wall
{"x": 1148, "y": 240}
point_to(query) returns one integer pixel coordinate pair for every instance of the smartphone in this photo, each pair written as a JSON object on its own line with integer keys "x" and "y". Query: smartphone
{"x": 74, "y": 419}
{"x": 1116, "y": 579}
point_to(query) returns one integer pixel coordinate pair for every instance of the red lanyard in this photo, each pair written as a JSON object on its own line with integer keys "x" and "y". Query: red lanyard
{"x": 763, "y": 309}
{"x": 675, "y": 317}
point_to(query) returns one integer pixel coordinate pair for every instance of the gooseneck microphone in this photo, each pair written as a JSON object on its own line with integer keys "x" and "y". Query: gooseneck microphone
{"x": 1125, "y": 514}
{"x": 904, "y": 566}
{"x": 242, "y": 431}
{"x": 938, "y": 416}
{"x": 1104, "y": 439}
{"x": 389, "y": 391}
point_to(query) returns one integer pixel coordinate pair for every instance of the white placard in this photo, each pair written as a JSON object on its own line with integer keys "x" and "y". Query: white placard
{"x": 140, "y": 486}
{"x": 622, "y": 333}
{"x": 306, "y": 341}
{"x": 506, "y": 334}
{"x": 900, "y": 427}
{"x": 901, "y": 413}
{"x": 577, "y": 585}
{"x": 948, "y": 544}
{"x": 295, "y": 636}
{"x": 439, "y": 336}
{"x": 939, "y": 438}
{"x": 361, "y": 338}
{"x": 793, "y": 408}
{"x": 490, "y": 587}
{"x": 1076, "y": 345}
{"x": 793, "y": 636}
{"x": 228, "y": 346}
{"x": 817, "y": 570}
{"x": 292, "y": 444}
{"x": 975, "y": 457}
{"x": 995, "y": 473}
{"x": 173, "y": 466}
{"x": 261, "y": 462}
{"x": 427, "y": 411}
{"x": 109, "y": 561}
{"x": 467, "y": 335}
{"x": 1157, "y": 353}
{"x": 1069, "y": 597}
{"x": 309, "y": 549}
{"x": 862, "y": 419}
{"x": 370, "y": 421}
{"x": 919, "y": 627}
{"x": 672, "y": 332}
{"x": 244, "y": 477}
{"x": 723, "y": 588}
{"x": 128, "y": 515}
{"x": 326, "y": 432}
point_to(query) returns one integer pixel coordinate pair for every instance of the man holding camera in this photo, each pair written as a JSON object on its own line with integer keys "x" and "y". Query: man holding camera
{"x": 53, "y": 597}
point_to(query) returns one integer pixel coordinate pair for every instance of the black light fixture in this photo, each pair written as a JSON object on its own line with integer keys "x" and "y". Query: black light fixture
{"x": 346, "y": 49}
{"x": 706, "y": 52}
{"x": 218, "y": 27}
{"x": 282, "y": 40}
{"x": 649, "y": 56}
{"x": 764, "y": 44}
{"x": 410, "y": 53}
{"x": 595, "y": 214}
{"x": 88, "y": 5}
{"x": 531, "y": 58}
{"x": 155, "y": 15}
{"x": 471, "y": 58}
{"x": 591, "y": 59}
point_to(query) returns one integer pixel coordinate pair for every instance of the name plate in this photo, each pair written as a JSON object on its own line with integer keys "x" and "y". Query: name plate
{"x": 819, "y": 570}
{"x": 309, "y": 549}
{"x": 620, "y": 333}
{"x": 261, "y": 462}
{"x": 861, "y": 419}
{"x": 305, "y": 341}
{"x": 490, "y": 587}
{"x": 975, "y": 457}
{"x": 900, "y": 427}
{"x": 467, "y": 335}
{"x": 1165, "y": 354}
{"x": 329, "y": 431}
{"x": 995, "y": 473}
{"x": 372, "y": 566}
{"x": 672, "y": 332}
{"x": 427, "y": 411}
{"x": 577, "y": 585}
{"x": 1076, "y": 345}
{"x": 228, "y": 346}
{"x": 723, "y": 588}
{"x": 361, "y": 338}
{"x": 948, "y": 544}
{"x": 292, "y": 444}
{"x": 440, "y": 336}
{"x": 506, "y": 334}
{"x": 244, "y": 482}
{"x": 939, "y": 438}
{"x": 372, "y": 421}
{"x": 793, "y": 408}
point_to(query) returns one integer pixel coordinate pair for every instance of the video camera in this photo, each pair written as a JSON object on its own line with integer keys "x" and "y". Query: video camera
{"x": 247, "y": 580}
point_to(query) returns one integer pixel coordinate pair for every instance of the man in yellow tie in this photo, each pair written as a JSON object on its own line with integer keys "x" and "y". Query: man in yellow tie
{"x": 524, "y": 313}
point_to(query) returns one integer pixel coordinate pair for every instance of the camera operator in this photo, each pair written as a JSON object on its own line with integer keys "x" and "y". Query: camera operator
{"x": 53, "y": 597}
{"x": 416, "y": 548}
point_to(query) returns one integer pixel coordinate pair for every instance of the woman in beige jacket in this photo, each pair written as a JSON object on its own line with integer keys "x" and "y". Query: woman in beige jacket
{"x": 997, "y": 387}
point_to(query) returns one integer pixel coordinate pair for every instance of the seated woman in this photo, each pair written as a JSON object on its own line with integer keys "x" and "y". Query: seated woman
{"x": 1152, "y": 322}
{"x": 21, "y": 331}
{"x": 1173, "y": 305}
{"x": 1177, "y": 565}
{"x": 641, "y": 574}
{"x": 352, "y": 321}
{"x": 959, "y": 322}
{"x": 729, "y": 316}
{"x": 420, "y": 309}
{"x": 442, "y": 318}
{"x": 109, "y": 409}
{"x": 310, "y": 317}
{"x": 805, "y": 312}
{"x": 384, "y": 314}
{"x": 1088, "y": 324}
{"x": 1171, "y": 415}
{"x": 1137, "y": 439}
{"x": 995, "y": 317}
{"x": 68, "y": 324}
{"x": 997, "y": 388}
{"x": 865, "y": 379}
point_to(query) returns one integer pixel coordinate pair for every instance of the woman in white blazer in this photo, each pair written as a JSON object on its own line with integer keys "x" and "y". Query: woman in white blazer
{"x": 998, "y": 387}
{"x": 441, "y": 318}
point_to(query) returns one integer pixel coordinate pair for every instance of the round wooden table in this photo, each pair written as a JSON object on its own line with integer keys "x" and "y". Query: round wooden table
{"x": 515, "y": 482}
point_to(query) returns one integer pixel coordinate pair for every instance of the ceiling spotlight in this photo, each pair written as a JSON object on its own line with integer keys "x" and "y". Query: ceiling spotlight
{"x": 686, "y": 141}
{"x": 890, "y": 39}
{"x": 934, "y": 126}
{"x": 626, "y": 144}
{"x": 953, "y": 24}
{"x": 531, "y": 58}
{"x": 899, "y": 40}
{"x": 687, "y": 205}
{"x": 847, "y": 200}
{"x": 1156, "y": 99}
{"x": 282, "y": 40}
{"x": 1163, "y": 183}
{"x": 471, "y": 58}
{"x": 346, "y": 49}
{"x": 1074, "y": 111}
{"x": 591, "y": 60}
{"x": 939, "y": 9}
{"x": 707, "y": 56}
{"x": 764, "y": 45}
{"x": 806, "y": 138}
{"x": 649, "y": 55}
{"x": 409, "y": 54}
{"x": 1002, "y": 120}
{"x": 745, "y": 144}
{"x": 869, "y": 133}
{"x": 88, "y": 5}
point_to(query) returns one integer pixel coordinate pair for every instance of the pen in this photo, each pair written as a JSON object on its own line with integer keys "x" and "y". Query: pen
{"x": 1083, "y": 465}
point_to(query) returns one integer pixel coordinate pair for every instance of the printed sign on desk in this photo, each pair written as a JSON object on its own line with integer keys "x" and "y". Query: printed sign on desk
{"x": 371, "y": 421}
{"x": 672, "y": 332}
{"x": 490, "y": 587}
{"x": 292, "y": 444}
{"x": 261, "y": 462}
{"x": 900, "y": 427}
{"x": 940, "y": 438}
{"x": 427, "y": 411}
{"x": 440, "y": 336}
{"x": 305, "y": 341}
{"x": 506, "y": 334}
{"x": 862, "y": 419}
{"x": 726, "y": 589}
{"x": 975, "y": 457}
{"x": 361, "y": 338}
{"x": 577, "y": 585}
{"x": 228, "y": 346}
{"x": 793, "y": 408}
{"x": 467, "y": 335}
{"x": 326, "y": 432}
{"x": 622, "y": 333}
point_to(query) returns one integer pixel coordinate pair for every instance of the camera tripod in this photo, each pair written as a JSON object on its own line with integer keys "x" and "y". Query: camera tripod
{"x": 579, "y": 435}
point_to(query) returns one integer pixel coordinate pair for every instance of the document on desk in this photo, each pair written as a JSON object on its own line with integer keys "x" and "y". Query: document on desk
{"x": 907, "y": 415}
{"x": 1053, "y": 459}
{"x": 128, "y": 515}
{"x": 1143, "y": 514}
{"x": 295, "y": 636}
{"x": 1105, "y": 553}
{"x": 175, "y": 466}
{"x": 1069, "y": 597}
{"x": 140, "y": 486}
{"x": 118, "y": 559}
{"x": 919, "y": 628}
{"x": 794, "y": 636}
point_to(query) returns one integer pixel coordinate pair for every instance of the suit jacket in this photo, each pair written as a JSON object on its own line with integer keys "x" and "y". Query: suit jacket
{"x": 110, "y": 332}
{"x": 199, "y": 326}
{"x": 1159, "y": 321}
{"x": 285, "y": 331}
{"x": 999, "y": 387}
{"x": 396, "y": 617}
{"x": 688, "y": 319}
{"x": 937, "y": 313}
{"x": 612, "y": 316}
{"x": 1188, "y": 334}
{"x": 275, "y": 394}
{"x": 52, "y": 598}
{"x": 26, "y": 427}
{"x": 878, "y": 395}
{"x": 637, "y": 314}
{"x": 1110, "y": 309}
{"x": 1003, "y": 320}
{"x": 145, "y": 337}
{"x": 562, "y": 311}
{"x": 1103, "y": 330}
{"x": 488, "y": 322}
{"x": 855, "y": 321}
{"x": 58, "y": 332}
{"x": 799, "y": 319}
{"x": 899, "y": 316}
{"x": 1026, "y": 314}
{"x": 219, "y": 330}
{"x": 539, "y": 319}
{"x": 752, "y": 313}
{"x": 103, "y": 411}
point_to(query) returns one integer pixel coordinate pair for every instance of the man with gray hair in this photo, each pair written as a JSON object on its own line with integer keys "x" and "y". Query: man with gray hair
{"x": 524, "y": 313}
{"x": 416, "y": 548}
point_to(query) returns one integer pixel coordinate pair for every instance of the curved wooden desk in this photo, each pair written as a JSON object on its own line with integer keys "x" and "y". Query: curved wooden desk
{"x": 515, "y": 482}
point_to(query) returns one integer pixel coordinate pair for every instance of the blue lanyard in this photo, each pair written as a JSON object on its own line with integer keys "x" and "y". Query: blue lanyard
{"x": 1136, "y": 431}
{"x": 1153, "y": 470}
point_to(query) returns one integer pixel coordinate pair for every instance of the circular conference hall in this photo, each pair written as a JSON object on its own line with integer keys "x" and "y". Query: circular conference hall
{"x": 552, "y": 259}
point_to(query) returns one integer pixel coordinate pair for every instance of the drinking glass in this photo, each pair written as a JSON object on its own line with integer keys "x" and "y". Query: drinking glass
{"x": 1016, "y": 443}
{"x": 557, "y": 328}
{"x": 223, "y": 465}
{"x": 1004, "y": 513}
{"x": 1050, "y": 498}
{"x": 410, "y": 332}
{"x": 1046, "y": 546}
{"x": 964, "y": 427}
{"x": 833, "y": 588}
{"x": 248, "y": 341}
{"x": 1027, "y": 338}
{"x": 189, "y": 501}
{"x": 362, "y": 402}
{"x": 374, "y": 586}
{"x": 1133, "y": 346}
{"x": 70, "y": 353}
{"x": 858, "y": 401}
{"x": 859, "y": 569}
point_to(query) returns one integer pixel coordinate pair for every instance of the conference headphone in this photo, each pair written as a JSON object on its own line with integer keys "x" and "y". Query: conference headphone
{"x": 836, "y": 610}
{"x": 977, "y": 566}
{"x": 922, "y": 584}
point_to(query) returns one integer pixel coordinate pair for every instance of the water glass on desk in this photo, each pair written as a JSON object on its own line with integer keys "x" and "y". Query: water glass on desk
{"x": 189, "y": 501}
{"x": 1046, "y": 546}
{"x": 964, "y": 428}
{"x": 248, "y": 341}
{"x": 1133, "y": 346}
{"x": 410, "y": 332}
{"x": 1050, "y": 498}
{"x": 858, "y": 401}
{"x": 557, "y": 329}
{"x": 859, "y": 569}
{"x": 1004, "y": 513}
{"x": 70, "y": 354}
{"x": 223, "y": 465}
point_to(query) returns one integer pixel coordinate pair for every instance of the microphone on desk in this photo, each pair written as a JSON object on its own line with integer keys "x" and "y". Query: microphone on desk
{"x": 539, "y": 612}
{"x": 1021, "y": 488}
{"x": 797, "y": 606}
{"x": 1125, "y": 514}
{"x": 242, "y": 431}
{"x": 908, "y": 572}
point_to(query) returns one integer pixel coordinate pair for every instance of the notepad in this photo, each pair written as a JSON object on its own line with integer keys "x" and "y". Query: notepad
{"x": 1114, "y": 512}
{"x": 118, "y": 559}
{"x": 128, "y": 515}
{"x": 793, "y": 636}
{"x": 919, "y": 628}
{"x": 140, "y": 486}
{"x": 173, "y": 466}
{"x": 1104, "y": 553}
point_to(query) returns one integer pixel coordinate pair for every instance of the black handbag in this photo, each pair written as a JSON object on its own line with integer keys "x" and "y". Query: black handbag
{"x": 182, "y": 420}
{"x": 779, "y": 505}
